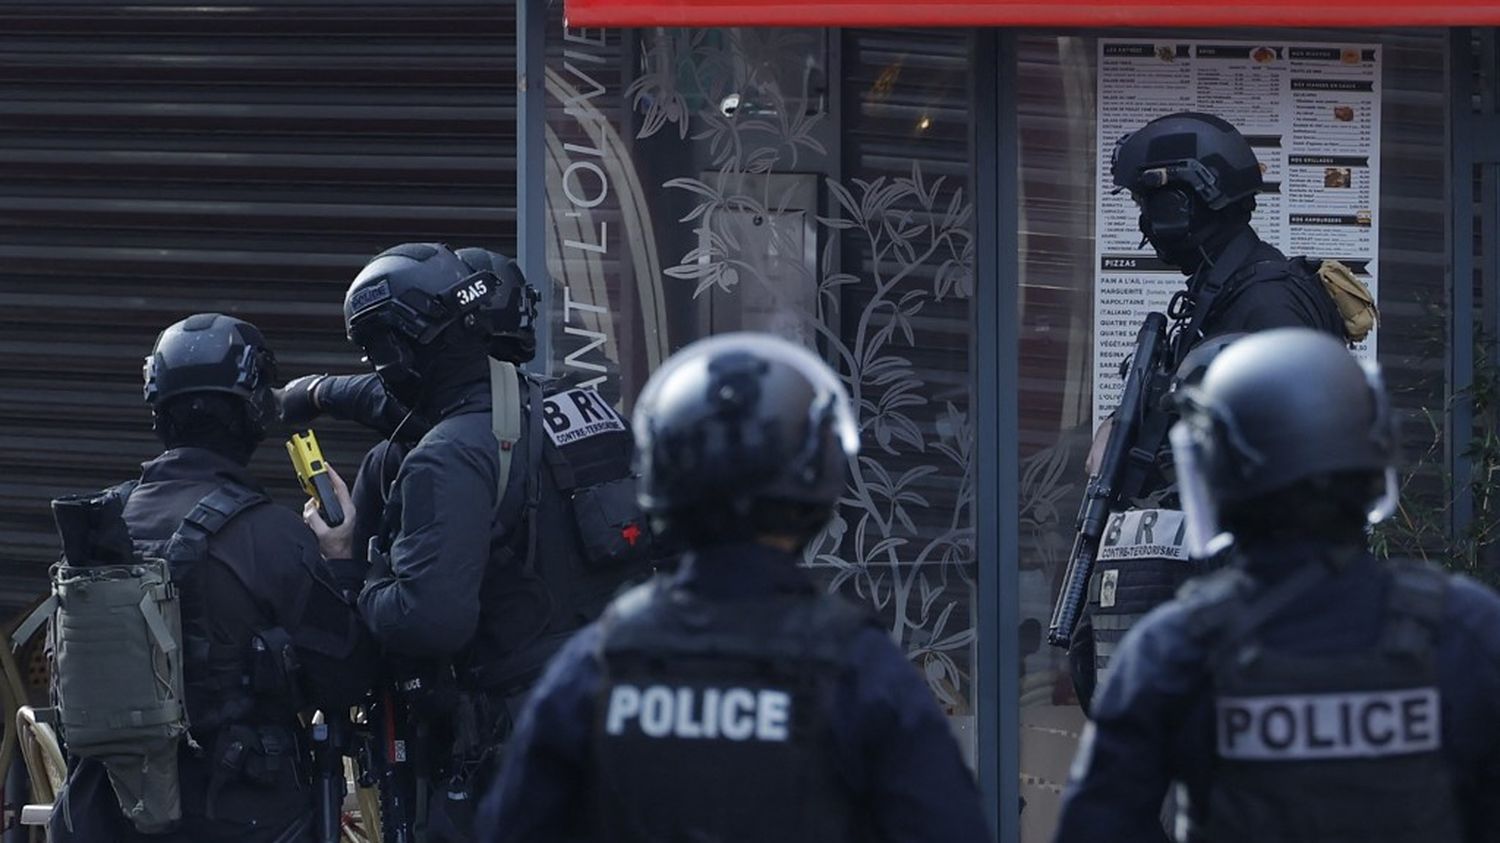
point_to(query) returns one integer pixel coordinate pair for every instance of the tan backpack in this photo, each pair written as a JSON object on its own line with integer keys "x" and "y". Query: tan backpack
{"x": 1352, "y": 297}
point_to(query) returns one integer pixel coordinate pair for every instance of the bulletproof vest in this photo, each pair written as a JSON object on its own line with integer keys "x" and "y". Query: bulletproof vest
{"x": 242, "y": 702}
{"x": 571, "y": 533}
{"x": 1142, "y": 562}
{"x": 711, "y": 721}
{"x": 1329, "y": 747}
{"x": 225, "y": 683}
{"x": 134, "y": 666}
{"x": 1299, "y": 274}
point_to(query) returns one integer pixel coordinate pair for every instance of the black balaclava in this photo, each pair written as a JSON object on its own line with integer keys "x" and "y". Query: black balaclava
{"x": 1183, "y": 230}
{"x": 214, "y": 421}
{"x": 451, "y": 366}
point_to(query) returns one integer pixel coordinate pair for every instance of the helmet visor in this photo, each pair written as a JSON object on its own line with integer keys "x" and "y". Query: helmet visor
{"x": 1384, "y": 434}
{"x": 381, "y": 346}
{"x": 1205, "y": 536}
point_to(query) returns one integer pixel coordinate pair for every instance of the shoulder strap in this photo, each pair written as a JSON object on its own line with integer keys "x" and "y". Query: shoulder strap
{"x": 648, "y": 621}
{"x": 1213, "y": 283}
{"x": 505, "y": 417}
{"x": 124, "y": 490}
{"x": 631, "y": 604}
{"x": 1210, "y": 600}
{"x": 839, "y": 620}
{"x": 208, "y": 517}
{"x": 1229, "y": 628}
{"x": 1417, "y": 599}
{"x": 510, "y": 517}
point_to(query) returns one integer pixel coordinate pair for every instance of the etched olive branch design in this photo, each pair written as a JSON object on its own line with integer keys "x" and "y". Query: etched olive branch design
{"x": 915, "y": 234}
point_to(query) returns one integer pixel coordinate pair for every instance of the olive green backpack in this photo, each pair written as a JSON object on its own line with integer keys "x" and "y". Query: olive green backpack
{"x": 117, "y": 657}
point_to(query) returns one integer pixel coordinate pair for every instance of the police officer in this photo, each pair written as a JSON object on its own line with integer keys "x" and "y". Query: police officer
{"x": 1308, "y": 691}
{"x": 1195, "y": 179}
{"x": 732, "y": 700}
{"x": 362, "y": 398}
{"x": 257, "y": 601}
{"x": 1142, "y": 560}
{"x": 506, "y": 527}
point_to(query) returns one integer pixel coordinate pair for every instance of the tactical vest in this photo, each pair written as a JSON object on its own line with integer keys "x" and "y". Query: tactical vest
{"x": 135, "y": 665}
{"x": 711, "y": 721}
{"x": 1142, "y": 562}
{"x": 1337, "y": 747}
{"x": 570, "y": 534}
{"x": 1301, "y": 277}
{"x": 227, "y": 684}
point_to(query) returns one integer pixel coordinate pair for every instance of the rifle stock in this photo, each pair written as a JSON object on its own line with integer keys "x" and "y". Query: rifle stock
{"x": 1102, "y": 494}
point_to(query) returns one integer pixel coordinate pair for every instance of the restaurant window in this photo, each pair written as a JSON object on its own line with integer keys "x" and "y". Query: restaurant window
{"x": 1068, "y": 304}
{"x": 814, "y": 184}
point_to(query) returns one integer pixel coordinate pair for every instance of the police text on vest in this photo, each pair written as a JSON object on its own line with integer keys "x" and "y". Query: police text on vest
{"x": 1323, "y": 726}
{"x": 736, "y": 714}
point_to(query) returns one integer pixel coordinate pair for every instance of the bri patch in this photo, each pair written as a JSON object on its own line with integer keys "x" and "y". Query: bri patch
{"x": 579, "y": 414}
{"x": 1303, "y": 727}
{"x": 1145, "y": 534}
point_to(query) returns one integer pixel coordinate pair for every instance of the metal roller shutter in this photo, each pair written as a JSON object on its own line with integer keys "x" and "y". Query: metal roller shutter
{"x": 162, "y": 158}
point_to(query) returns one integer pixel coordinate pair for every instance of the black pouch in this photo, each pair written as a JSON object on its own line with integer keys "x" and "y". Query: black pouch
{"x": 275, "y": 673}
{"x": 92, "y": 527}
{"x": 611, "y": 526}
{"x": 261, "y": 756}
{"x": 256, "y": 776}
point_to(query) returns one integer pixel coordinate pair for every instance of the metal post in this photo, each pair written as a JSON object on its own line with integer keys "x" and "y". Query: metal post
{"x": 1008, "y": 433}
{"x": 1484, "y": 142}
{"x": 996, "y": 345}
{"x": 982, "y": 145}
{"x": 1485, "y": 149}
{"x": 1460, "y": 427}
{"x": 531, "y": 157}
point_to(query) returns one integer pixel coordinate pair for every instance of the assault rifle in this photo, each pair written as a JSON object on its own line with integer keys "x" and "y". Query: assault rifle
{"x": 1128, "y": 458}
{"x": 386, "y": 757}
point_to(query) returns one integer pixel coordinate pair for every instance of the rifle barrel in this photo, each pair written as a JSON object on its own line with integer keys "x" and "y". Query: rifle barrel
{"x": 1100, "y": 497}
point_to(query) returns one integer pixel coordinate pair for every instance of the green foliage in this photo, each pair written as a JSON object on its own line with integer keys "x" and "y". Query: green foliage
{"x": 1422, "y": 527}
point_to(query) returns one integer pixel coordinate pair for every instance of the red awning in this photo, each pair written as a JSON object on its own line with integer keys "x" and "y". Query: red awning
{"x": 1095, "y": 13}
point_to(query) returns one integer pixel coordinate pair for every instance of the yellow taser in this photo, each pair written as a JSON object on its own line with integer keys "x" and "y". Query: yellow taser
{"x": 312, "y": 473}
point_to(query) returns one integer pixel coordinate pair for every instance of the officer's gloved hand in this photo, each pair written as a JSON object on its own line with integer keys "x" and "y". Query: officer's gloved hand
{"x": 298, "y": 400}
{"x": 362, "y": 399}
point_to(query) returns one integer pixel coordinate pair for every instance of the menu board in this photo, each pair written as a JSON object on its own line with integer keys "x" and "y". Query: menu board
{"x": 1312, "y": 114}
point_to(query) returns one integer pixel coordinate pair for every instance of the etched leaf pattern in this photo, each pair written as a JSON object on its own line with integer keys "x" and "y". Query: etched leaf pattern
{"x": 885, "y": 544}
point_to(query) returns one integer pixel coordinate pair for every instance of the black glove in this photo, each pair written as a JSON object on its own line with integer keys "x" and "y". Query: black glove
{"x": 363, "y": 399}
{"x": 298, "y": 401}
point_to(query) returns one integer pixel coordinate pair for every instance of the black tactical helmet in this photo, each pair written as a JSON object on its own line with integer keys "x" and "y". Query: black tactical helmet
{"x": 509, "y": 317}
{"x": 404, "y": 300}
{"x": 1199, "y": 151}
{"x": 1193, "y": 176}
{"x": 211, "y": 352}
{"x": 740, "y": 419}
{"x": 1195, "y": 363}
{"x": 1274, "y": 409}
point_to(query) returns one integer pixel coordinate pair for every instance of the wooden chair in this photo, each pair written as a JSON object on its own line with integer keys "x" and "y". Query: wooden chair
{"x": 36, "y": 741}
